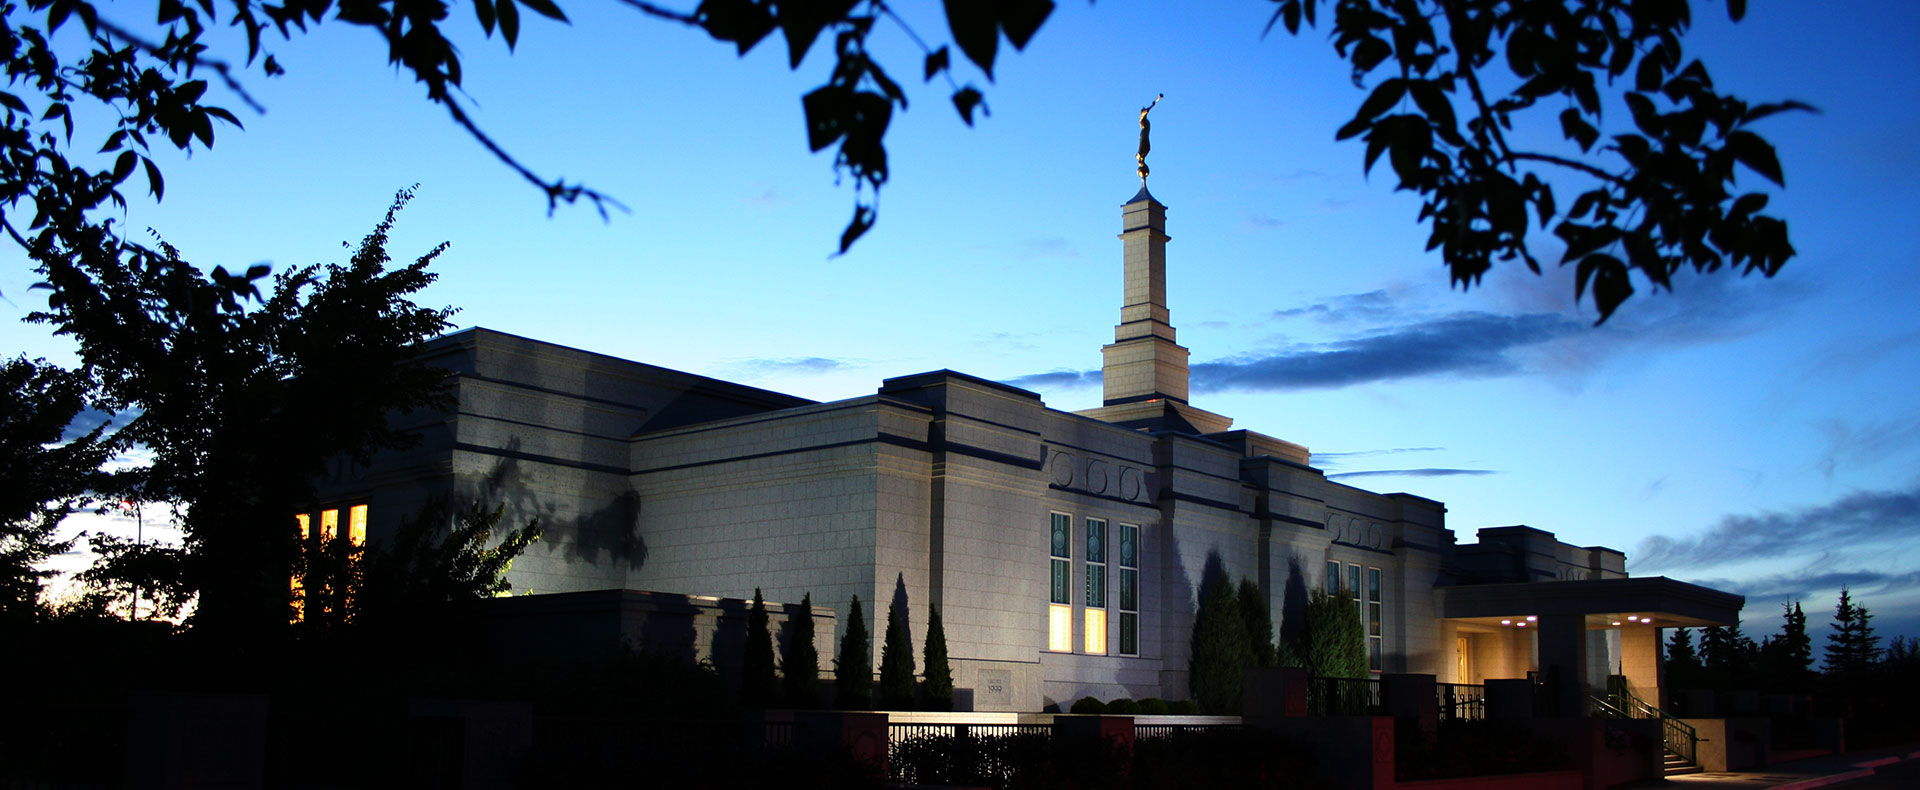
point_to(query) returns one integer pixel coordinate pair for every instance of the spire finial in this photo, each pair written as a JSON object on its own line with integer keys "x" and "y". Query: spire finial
{"x": 1145, "y": 127}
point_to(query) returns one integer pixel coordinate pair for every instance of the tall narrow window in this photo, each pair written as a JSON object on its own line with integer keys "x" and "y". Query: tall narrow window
{"x": 357, "y": 525}
{"x": 1060, "y": 598}
{"x": 1376, "y": 639}
{"x": 298, "y": 588}
{"x": 329, "y": 525}
{"x": 1333, "y": 577}
{"x": 1096, "y": 586}
{"x": 1129, "y": 590}
{"x": 1353, "y": 590}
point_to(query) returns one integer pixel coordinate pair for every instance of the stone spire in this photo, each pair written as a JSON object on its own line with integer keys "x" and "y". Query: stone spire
{"x": 1144, "y": 372}
{"x": 1144, "y": 362}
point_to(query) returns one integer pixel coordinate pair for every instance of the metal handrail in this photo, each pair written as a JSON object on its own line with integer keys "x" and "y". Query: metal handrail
{"x": 1678, "y": 736}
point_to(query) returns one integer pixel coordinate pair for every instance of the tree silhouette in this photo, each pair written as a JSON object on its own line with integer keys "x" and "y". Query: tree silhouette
{"x": 1683, "y": 662}
{"x": 800, "y": 662}
{"x": 48, "y": 475}
{"x": 758, "y": 686}
{"x": 853, "y": 670}
{"x": 1786, "y": 661}
{"x": 939, "y": 685}
{"x": 1852, "y": 647}
{"x": 242, "y": 405}
{"x": 896, "y": 662}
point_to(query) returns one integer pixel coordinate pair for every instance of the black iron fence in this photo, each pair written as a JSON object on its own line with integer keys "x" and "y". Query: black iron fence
{"x": 1461, "y": 701}
{"x": 1143, "y": 732}
{"x": 904, "y": 731}
{"x": 1344, "y": 697}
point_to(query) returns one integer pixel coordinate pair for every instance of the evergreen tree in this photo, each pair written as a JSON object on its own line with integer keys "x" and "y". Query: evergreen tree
{"x": 1331, "y": 642}
{"x": 800, "y": 662}
{"x": 1852, "y": 647}
{"x": 896, "y": 663}
{"x": 1220, "y": 651}
{"x": 1683, "y": 663}
{"x": 853, "y": 670}
{"x": 1259, "y": 623}
{"x": 1728, "y": 657}
{"x": 1716, "y": 657}
{"x": 758, "y": 688}
{"x": 939, "y": 686}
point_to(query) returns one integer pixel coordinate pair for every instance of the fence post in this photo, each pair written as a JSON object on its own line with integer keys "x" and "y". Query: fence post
{"x": 864, "y": 735}
{"x": 1272, "y": 693}
{"x": 1412, "y": 698}
{"x": 1510, "y": 698}
{"x": 1098, "y": 729}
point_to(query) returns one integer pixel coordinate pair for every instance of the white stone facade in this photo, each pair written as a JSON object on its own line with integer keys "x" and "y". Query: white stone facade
{"x": 941, "y": 490}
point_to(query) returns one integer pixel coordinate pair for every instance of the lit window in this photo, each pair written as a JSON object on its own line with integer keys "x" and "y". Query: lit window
{"x": 317, "y": 583}
{"x": 1060, "y": 628}
{"x": 1096, "y": 631}
{"x": 1096, "y": 600}
{"x": 299, "y": 593}
{"x": 1060, "y": 592}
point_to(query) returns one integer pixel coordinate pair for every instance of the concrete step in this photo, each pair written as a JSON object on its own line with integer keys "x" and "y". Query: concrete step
{"x": 1677, "y": 765}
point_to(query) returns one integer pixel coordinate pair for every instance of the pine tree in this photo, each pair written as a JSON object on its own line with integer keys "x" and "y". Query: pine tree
{"x": 1220, "y": 652}
{"x": 800, "y": 662}
{"x": 853, "y": 670}
{"x": 1683, "y": 663}
{"x": 1331, "y": 642}
{"x": 1716, "y": 657}
{"x": 1852, "y": 647}
{"x": 1786, "y": 660}
{"x": 758, "y": 688}
{"x": 939, "y": 686}
{"x": 896, "y": 663}
{"x": 1259, "y": 620}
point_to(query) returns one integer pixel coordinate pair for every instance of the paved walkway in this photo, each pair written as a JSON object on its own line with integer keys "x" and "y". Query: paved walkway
{"x": 1800, "y": 774}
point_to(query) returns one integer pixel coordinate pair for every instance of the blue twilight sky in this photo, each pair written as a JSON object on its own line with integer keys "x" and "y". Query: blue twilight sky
{"x": 1755, "y": 435}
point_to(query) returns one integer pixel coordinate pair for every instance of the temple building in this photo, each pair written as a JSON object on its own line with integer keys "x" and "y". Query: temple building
{"x": 1065, "y": 551}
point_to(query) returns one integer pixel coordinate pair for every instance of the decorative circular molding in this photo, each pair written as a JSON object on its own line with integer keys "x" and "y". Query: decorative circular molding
{"x": 1132, "y": 483}
{"x": 1097, "y": 477}
{"x": 1062, "y": 469}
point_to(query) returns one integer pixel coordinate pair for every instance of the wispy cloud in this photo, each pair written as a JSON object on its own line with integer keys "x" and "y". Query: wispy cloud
{"x": 1802, "y": 586}
{"x": 1470, "y": 345}
{"x": 1257, "y": 222}
{"x": 1857, "y": 520}
{"x": 1332, "y": 461}
{"x": 1056, "y": 380}
{"x": 1422, "y": 472}
{"x": 765, "y": 196}
{"x": 1370, "y": 306}
{"x": 1050, "y": 247}
{"x": 789, "y": 366}
{"x": 1851, "y": 446}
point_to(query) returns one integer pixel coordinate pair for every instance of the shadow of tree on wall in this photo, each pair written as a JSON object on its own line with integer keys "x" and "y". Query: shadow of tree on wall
{"x": 609, "y": 533}
{"x": 906, "y": 613}
{"x": 1293, "y": 602}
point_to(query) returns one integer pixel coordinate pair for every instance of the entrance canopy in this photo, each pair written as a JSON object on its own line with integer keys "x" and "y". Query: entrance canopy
{"x": 1655, "y": 601}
